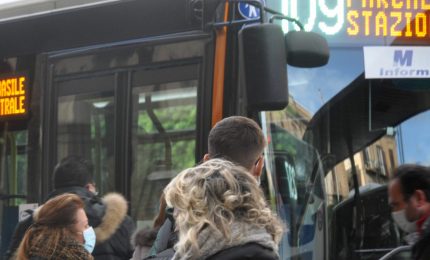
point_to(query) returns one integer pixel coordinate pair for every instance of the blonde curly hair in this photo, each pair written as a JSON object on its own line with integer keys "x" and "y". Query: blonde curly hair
{"x": 214, "y": 195}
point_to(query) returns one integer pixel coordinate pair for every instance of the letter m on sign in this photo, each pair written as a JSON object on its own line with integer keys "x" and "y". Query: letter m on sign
{"x": 403, "y": 58}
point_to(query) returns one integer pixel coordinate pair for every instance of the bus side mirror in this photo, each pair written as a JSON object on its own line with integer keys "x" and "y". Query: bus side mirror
{"x": 306, "y": 49}
{"x": 263, "y": 63}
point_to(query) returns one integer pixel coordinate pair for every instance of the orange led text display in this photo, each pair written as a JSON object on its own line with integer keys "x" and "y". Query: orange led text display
{"x": 13, "y": 96}
{"x": 392, "y": 18}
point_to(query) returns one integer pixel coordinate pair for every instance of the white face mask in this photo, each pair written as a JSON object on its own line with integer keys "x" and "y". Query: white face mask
{"x": 402, "y": 222}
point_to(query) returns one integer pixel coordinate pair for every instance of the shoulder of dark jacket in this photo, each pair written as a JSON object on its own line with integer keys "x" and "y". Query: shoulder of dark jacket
{"x": 247, "y": 251}
{"x": 421, "y": 249}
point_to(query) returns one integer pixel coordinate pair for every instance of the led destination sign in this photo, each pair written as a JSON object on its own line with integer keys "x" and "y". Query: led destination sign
{"x": 364, "y": 21}
{"x": 13, "y": 96}
{"x": 388, "y": 18}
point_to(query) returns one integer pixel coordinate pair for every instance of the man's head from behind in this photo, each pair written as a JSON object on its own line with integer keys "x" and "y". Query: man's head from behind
{"x": 409, "y": 195}
{"x": 73, "y": 171}
{"x": 239, "y": 140}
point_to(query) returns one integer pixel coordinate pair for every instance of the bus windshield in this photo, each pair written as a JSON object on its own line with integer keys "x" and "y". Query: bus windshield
{"x": 342, "y": 133}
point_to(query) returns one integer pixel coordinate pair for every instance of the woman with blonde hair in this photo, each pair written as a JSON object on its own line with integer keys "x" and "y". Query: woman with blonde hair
{"x": 221, "y": 213}
{"x": 60, "y": 231}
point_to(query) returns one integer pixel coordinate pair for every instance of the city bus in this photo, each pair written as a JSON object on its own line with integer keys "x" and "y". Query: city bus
{"x": 135, "y": 86}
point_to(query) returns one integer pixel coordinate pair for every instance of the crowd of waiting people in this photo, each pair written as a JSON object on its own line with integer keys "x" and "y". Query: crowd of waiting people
{"x": 215, "y": 210}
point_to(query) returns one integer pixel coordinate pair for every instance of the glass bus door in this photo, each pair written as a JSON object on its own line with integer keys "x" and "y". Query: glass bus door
{"x": 163, "y": 133}
{"x": 86, "y": 124}
{"x": 133, "y": 111}
{"x": 13, "y": 181}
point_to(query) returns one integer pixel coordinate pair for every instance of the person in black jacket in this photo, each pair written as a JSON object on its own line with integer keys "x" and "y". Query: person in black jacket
{"x": 409, "y": 198}
{"x": 108, "y": 215}
{"x": 220, "y": 213}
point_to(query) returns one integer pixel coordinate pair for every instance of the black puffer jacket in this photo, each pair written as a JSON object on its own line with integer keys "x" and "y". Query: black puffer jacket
{"x": 108, "y": 217}
{"x": 421, "y": 249}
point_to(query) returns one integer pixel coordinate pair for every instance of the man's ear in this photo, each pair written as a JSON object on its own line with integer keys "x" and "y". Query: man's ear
{"x": 206, "y": 157}
{"x": 421, "y": 197}
{"x": 258, "y": 168}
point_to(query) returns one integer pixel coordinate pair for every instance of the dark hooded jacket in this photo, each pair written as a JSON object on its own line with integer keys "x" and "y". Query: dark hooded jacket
{"x": 108, "y": 217}
{"x": 421, "y": 249}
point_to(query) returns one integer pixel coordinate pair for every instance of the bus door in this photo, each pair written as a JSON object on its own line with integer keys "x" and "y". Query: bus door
{"x": 133, "y": 111}
{"x": 13, "y": 184}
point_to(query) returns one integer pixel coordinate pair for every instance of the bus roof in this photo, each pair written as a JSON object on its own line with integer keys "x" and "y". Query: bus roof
{"x": 111, "y": 21}
{"x": 13, "y": 9}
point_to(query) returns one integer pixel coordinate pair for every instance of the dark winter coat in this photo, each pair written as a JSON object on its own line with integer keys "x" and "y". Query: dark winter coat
{"x": 243, "y": 252}
{"x": 421, "y": 249}
{"x": 108, "y": 217}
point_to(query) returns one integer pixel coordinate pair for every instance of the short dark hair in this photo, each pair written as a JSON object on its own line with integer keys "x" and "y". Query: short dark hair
{"x": 413, "y": 177}
{"x": 237, "y": 139}
{"x": 73, "y": 171}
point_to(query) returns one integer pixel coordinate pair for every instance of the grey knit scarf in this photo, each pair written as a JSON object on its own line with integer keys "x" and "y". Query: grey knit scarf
{"x": 211, "y": 242}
